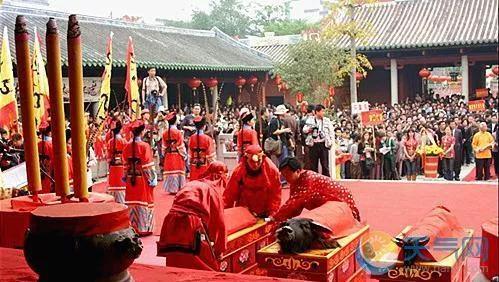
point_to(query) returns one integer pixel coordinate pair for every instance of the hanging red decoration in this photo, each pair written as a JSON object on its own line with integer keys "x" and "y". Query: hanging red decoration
{"x": 327, "y": 102}
{"x": 252, "y": 81}
{"x": 211, "y": 82}
{"x": 495, "y": 70}
{"x": 424, "y": 73}
{"x": 240, "y": 82}
{"x": 194, "y": 83}
{"x": 359, "y": 76}
{"x": 278, "y": 79}
{"x": 331, "y": 92}
{"x": 304, "y": 106}
{"x": 299, "y": 97}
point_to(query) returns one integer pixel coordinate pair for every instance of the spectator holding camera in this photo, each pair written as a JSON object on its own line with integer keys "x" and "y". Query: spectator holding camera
{"x": 318, "y": 131}
{"x": 153, "y": 91}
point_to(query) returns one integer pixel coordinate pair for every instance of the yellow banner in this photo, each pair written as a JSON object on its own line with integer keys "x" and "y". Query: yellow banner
{"x": 105, "y": 88}
{"x": 8, "y": 104}
{"x": 40, "y": 82}
{"x": 131, "y": 85}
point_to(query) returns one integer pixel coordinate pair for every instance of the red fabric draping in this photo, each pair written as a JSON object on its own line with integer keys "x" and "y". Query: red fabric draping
{"x": 489, "y": 259}
{"x": 337, "y": 216}
{"x": 237, "y": 219}
{"x": 438, "y": 224}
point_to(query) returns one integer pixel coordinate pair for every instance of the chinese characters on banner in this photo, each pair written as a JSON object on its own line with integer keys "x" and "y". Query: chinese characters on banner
{"x": 371, "y": 118}
{"x": 482, "y": 92}
{"x": 360, "y": 107}
{"x": 476, "y": 106}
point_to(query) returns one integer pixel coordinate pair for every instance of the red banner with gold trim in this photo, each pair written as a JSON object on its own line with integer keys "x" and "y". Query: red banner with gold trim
{"x": 476, "y": 106}
{"x": 372, "y": 117}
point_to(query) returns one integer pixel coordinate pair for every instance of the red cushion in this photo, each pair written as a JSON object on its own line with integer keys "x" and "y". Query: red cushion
{"x": 337, "y": 216}
{"x": 237, "y": 219}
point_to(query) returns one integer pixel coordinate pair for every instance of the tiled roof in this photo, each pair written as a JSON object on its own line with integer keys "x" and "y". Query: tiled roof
{"x": 161, "y": 47}
{"x": 276, "y": 47}
{"x": 413, "y": 24}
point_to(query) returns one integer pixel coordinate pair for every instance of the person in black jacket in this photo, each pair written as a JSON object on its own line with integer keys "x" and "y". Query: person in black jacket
{"x": 458, "y": 149}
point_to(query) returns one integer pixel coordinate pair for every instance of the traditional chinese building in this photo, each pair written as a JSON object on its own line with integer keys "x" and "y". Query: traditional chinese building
{"x": 178, "y": 55}
{"x": 408, "y": 36}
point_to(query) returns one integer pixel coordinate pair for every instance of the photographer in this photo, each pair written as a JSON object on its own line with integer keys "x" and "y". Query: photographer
{"x": 318, "y": 130}
{"x": 153, "y": 92}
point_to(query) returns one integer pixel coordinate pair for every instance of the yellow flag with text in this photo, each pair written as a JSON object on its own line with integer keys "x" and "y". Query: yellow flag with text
{"x": 131, "y": 86}
{"x": 105, "y": 89}
{"x": 40, "y": 83}
{"x": 8, "y": 104}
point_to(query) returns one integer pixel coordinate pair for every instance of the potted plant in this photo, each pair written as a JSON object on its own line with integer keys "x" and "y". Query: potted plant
{"x": 431, "y": 154}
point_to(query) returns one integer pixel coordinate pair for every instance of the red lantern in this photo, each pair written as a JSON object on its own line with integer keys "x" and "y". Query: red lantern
{"x": 304, "y": 106}
{"x": 331, "y": 92}
{"x": 359, "y": 76}
{"x": 299, "y": 96}
{"x": 327, "y": 102}
{"x": 278, "y": 79}
{"x": 240, "y": 82}
{"x": 424, "y": 73}
{"x": 194, "y": 83}
{"x": 252, "y": 81}
{"x": 495, "y": 70}
{"x": 211, "y": 82}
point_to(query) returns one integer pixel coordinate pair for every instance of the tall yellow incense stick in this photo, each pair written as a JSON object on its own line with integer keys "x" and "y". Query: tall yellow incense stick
{"x": 54, "y": 74}
{"x": 27, "y": 106}
{"x": 75, "y": 73}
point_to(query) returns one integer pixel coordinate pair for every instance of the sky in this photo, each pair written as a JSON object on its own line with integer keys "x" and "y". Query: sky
{"x": 152, "y": 9}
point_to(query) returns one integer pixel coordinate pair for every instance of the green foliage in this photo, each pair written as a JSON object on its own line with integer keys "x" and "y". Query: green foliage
{"x": 228, "y": 15}
{"x": 312, "y": 67}
{"x": 288, "y": 27}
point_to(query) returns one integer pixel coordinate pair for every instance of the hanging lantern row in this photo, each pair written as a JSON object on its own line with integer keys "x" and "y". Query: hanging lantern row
{"x": 211, "y": 82}
{"x": 327, "y": 102}
{"x": 331, "y": 92}
{"x": 424, "y": 73}
{"x": 252, "y": 81}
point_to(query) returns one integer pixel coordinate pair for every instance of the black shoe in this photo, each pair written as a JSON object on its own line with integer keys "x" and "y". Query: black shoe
{"x": 457, "y": 179}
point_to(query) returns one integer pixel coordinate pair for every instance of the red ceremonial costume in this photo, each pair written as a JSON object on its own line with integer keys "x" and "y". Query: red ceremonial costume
{"x": 140, "y": 182}
{"x": 258, "y": 190}
{"x": 246, "y": 137}
{"x": 193, "y": 233}
{"x": 116, "y": 184}
{"x": 201, "y": 153}
{"x": 174, "y": 163}
{"x": 311, "y": 191}
{"x": 46, "y": 153}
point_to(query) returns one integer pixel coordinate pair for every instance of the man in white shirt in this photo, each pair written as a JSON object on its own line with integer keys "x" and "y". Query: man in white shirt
{"x": 318, "y": 130}
{"x": 154, "y": 91}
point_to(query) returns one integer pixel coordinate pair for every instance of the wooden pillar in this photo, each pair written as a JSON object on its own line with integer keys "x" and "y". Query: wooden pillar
{"x": 465, "y": 74}
{"x": 394, "y": 82}
{"x": 179, "y": 96}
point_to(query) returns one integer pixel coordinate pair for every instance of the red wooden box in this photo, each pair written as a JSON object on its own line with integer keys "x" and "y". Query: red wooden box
{"x": 453, "y": 268}
{"x": 316, "y": 265}
{"x": 242, "y": 246}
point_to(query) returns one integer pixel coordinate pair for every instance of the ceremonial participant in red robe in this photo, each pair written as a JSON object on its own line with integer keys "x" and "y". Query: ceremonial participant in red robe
{"x": 116, "y": 185}
{"x": 174, "y": 156}
{"x": 193, "y": 233}
{"x": 246, "y": 136}
{"x": 46, "y": 153}
{"x": 140, "y": 181}
{"x": 201, "y": 149}
{"x": 310, "y": 190}
{"x": 254, "y": 184}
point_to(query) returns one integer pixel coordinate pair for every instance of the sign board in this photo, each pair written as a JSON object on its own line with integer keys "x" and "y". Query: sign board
{"x": 371, "y": 118}
{"x": 359, "y": 107}
{"x": 482, "y": 92}
{"x": 15, "y": 177}
{"x": 476, "y": 106}
{"x": 91, "y": 88}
